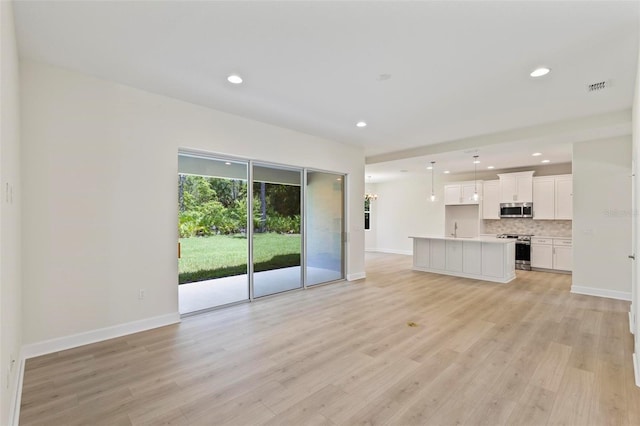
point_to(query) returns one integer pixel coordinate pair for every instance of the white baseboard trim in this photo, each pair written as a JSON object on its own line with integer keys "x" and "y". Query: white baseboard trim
{"x": 356, "y": 276}
{"x": 636, "y": 369}
{"x": 599, "y": 292}
{"x": 394, "y": 251}
{"x": 14, "y": 413}
{"x": 93, "y": 336}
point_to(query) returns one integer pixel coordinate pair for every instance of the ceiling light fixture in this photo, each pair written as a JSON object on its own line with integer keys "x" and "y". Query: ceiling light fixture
{"x": 234, "y": 79}
{"x": 227, "y": 163}
{"x": 433, "y": 195}
{"x": 539, "y": 72}
{"x": 490, "y": 167}
{"x": 536, "y": 154}
{"x": 475, "y": 179}
{"x": 545, "y": 161}
{"x": 446, "y": 172}
{"x": 361, "y": 124}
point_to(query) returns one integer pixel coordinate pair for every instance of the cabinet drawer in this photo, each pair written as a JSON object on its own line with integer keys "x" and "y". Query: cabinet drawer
{"x": 562, "y": 242}
{"x": 542, "y": 241}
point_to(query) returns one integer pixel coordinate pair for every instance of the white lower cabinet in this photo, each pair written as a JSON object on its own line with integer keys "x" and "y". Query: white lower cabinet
{"x": 437, "y": 254}
{"x": 563, "y": 258}
{"x": 541, "y": 256}
{"x": 471, "y": 257}
{"x": 492, "y": 260}
{"x": 424, "y": 248}
{"x": 552, "y": 253}
{"x": 489, "y": 259}
{"x": 454, "y": 256}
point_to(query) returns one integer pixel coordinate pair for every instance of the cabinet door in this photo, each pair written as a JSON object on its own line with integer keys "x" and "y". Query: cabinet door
{"x": 452, "y": 194}
{"x": 491, "y": 200}
{"x": 437, "y": 254}
{"x": 508, "y": 189}
{"x": 421, "y": 251}
{"x": 493, "y": 258}
{"x": 541, "y": 256}
{"x": 563, "y": 198}
{"x": 563, "y": 258}
{"x": 472, "y": 257}
{"x": 543, "y": 198}
{"x": 467, "y": 194}
{"x": 524, "y": 189}
{"x": 454, "y": 256}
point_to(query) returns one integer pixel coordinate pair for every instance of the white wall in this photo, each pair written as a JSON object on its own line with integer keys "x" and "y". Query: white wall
{"x": 403, "y": 209}
{"x": 100, "y": 205}
{"x": 10, "y": 279}
{"x": 635, "y": 301}
{"x": 602, "y": 215}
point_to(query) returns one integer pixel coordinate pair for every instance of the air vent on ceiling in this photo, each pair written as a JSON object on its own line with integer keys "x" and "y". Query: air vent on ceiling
{"x": 600, "y": 85}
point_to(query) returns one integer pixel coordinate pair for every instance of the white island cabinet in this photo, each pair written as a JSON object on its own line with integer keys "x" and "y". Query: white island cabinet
{"x": 483, "y": 258}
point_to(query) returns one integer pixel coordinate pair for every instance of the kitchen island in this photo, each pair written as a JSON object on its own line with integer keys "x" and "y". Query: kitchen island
{"x": 480, "y": 258}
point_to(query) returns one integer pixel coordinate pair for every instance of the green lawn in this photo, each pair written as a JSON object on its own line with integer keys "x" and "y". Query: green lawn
{"x": 219, "y": 256}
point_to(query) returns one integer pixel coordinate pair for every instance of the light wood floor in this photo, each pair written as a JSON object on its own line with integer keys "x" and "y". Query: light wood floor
{"x": 528, "y": 352}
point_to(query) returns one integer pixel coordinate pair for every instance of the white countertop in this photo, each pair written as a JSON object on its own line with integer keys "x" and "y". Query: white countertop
{"x": 566, "y": 237}
{"x": 484, "y": 239}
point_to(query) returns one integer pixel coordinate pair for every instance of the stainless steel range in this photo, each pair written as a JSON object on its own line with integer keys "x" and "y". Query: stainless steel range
{"x": 523, "y": 249}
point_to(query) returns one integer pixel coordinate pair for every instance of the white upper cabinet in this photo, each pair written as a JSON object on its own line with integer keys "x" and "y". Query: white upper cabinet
{"x": 461, "y": 193}
{"x": 544, "y": 197}
{"x": 553, "y": 197}
{"x": 491, "y": 199}
{"x": 564, "y": 197}
{"x": 516, "y": 187}
{"x": 452, "y": 194}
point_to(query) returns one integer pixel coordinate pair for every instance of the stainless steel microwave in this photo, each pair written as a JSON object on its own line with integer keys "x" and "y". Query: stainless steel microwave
{"x": 516, "y": 210}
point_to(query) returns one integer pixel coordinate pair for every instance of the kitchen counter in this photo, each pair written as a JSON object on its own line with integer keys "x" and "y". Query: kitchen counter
{"x": 484, "y": 258}
{"x": 485, "y": 238}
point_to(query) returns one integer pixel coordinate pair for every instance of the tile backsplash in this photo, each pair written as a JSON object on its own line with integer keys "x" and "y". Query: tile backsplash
{"x": 547, "y": 228}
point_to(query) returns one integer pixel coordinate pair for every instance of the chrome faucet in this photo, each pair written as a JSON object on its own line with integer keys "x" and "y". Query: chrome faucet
{"x": 455, "y": 230}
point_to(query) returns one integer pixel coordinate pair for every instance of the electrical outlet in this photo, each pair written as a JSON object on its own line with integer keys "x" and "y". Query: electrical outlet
{"x": 141, "y": 294}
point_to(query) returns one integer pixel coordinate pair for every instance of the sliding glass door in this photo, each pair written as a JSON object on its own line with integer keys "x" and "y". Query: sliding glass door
{"x": 277, "y": 244}
{"x": 212, "y": 222}
{"x": 249, "y": 229}
{"x": 324, "y": 227}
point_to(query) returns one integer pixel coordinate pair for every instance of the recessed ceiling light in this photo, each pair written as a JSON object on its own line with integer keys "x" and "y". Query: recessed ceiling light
{"x": 227, "y": 163}
{"x": 361, "y": 124}
{"x": 446, "y": 172}
{"x": 234, "y": 78}
{"x": 430, "y": 168}
{"x": 545, "y": 161}
{"x": 536, "y": 154}
{"x": 539, "y": 72}
{"x": 490, "y": 167}
{"x": 476, "y": 161}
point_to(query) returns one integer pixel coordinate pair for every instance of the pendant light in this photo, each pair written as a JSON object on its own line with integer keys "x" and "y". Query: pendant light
{"x": 475, "y": 180}
{"x": 433, "y": 195}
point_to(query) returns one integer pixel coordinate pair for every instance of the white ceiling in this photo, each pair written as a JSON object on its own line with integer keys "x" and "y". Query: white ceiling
{"x": 457, "y": 69}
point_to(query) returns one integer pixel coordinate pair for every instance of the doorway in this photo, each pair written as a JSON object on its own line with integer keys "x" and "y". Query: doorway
{"x": 212, "y": 222}
{"x": 250, "y": 229}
